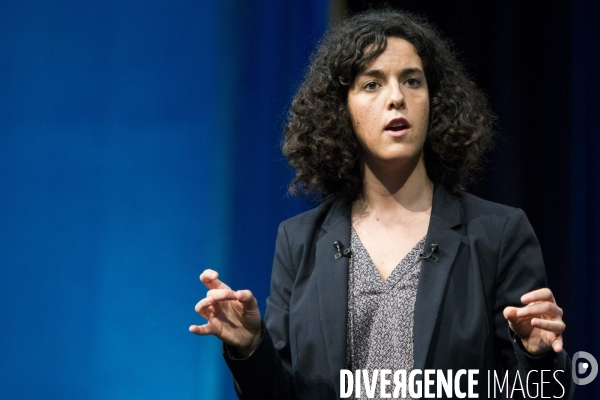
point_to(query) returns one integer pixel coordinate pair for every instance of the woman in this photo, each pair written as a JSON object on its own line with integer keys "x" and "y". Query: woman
{"x": 398, "y": 268}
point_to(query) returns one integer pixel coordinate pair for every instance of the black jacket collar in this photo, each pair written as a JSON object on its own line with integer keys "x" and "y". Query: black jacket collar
{"x": 332, "y": 277}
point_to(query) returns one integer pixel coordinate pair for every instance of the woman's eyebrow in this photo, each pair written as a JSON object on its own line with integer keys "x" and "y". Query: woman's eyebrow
{"x": 413, "y": 70}
{"x": 372, "y": 72}
{"x": 378, "y": 73}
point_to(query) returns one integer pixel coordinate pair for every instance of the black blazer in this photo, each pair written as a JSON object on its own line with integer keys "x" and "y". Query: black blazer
{"x": 487, "y": 257}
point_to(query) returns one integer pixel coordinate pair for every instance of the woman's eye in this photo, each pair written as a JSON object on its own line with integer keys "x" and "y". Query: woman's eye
{"x": 413, "y": 82}
{"x": 371, "y": 86}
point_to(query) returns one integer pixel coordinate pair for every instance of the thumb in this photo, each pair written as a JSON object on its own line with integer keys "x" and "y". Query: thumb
{"x": 510, "y": 313}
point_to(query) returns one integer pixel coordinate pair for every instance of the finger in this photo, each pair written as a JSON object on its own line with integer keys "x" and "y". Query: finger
{"x": 206, "y": 329}
{"x": 543, "y": 294}
{"x": 510, "y": 313}
{"x": 545, "y": 308}
{"x": 557, "y": 345}
{"x": 202, "y": 307}
{"x": 211, "y": 279}
{"x": 221, "y": 294}
{"x": 553, "y": 326}
{"x": 214, "y": 296}
{"x": 245, "y": 296}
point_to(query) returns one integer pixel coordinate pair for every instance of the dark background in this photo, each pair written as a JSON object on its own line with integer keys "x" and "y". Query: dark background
{"x": 538, "y": 61}
{"x": 519, "y": 55}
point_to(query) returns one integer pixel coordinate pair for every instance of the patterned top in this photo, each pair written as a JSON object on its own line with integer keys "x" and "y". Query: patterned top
{"x": 380, "y": 313}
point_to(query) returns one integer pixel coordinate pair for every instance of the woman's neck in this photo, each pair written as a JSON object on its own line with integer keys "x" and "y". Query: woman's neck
{"x": 391, "y": 193}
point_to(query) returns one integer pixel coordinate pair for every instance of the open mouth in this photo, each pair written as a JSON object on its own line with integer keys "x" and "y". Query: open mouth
{"x": 397, "y": 125}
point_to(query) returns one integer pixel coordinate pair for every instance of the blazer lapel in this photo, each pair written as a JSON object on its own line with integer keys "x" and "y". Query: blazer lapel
{"x": 332, "y": 286}
{"x": 445, "y": 215}
{"x": 332, "y": 278}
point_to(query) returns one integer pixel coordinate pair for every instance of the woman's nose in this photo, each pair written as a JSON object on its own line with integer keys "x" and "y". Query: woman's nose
{"x": 396, "y": 99}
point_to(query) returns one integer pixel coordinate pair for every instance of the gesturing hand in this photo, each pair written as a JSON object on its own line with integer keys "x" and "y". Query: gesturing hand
{"x": 539, "y": 324}
{"x": 233, "y": 316}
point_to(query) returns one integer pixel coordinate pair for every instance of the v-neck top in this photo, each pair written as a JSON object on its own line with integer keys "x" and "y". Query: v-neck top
{"x": 380, "y": 313}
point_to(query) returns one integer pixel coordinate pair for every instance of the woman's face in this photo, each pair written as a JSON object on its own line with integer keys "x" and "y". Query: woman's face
{"x": 389, "y": 105}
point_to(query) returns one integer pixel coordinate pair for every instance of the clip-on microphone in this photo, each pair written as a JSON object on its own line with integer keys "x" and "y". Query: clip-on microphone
{"x": 341, "y": 252}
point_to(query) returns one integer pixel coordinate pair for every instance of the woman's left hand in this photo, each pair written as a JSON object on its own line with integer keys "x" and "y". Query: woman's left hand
{"x": 539, "y": 324}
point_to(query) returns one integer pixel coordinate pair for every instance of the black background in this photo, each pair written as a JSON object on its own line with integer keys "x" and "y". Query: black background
{"x": 525, "y": 55}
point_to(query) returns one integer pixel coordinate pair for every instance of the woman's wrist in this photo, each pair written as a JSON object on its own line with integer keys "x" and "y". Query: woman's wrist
{"x": 246, "y": 351}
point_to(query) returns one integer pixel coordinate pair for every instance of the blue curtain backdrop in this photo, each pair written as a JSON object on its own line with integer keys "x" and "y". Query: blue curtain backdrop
{"x": 138, "y": 146}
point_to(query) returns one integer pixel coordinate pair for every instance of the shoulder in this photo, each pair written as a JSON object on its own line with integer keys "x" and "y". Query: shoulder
{"x": 494, "y": 222}
{"x": 312, "y": 220}
{"x": 301, "y": 233}
{"x": 503, "y": 240}
{"x": 298, "y": 235}
{"x": 474, "y": 206}
{"x": 465, "y": 209}
{"x": 475, "y": 217}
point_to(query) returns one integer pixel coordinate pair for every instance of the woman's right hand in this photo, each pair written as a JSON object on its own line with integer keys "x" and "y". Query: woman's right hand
{"x": 233, "y": 316}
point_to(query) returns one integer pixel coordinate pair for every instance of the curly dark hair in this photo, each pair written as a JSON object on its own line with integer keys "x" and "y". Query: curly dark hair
{"x": 319, "y": 140}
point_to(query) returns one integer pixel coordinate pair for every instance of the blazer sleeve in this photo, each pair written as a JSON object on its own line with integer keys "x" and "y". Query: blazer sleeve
{"x": 521, "y": 270}
{"x": 267, "y": 372}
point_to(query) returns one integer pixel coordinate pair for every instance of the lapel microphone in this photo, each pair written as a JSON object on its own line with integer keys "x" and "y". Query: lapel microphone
{"x": 341, "y": 252}
{"x": 428, "y": 255}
